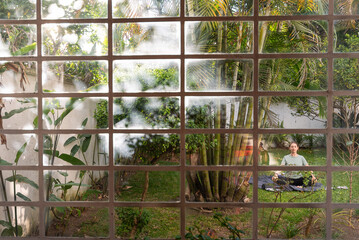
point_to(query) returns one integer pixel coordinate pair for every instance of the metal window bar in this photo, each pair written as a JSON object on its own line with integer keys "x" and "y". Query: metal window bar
{"x": 182, "y": 168}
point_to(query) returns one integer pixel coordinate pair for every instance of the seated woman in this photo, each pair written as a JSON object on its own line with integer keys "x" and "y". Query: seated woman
{"x": 294, "y": 177}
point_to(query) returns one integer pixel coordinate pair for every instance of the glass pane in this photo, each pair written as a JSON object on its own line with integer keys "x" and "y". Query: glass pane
{"x": 215, "y": 186}
{"x": 219, "y": 149}
{"x": 215, "y": 75}
{"x": 85, "y": 185}
{"x": 18, "y": 77}
{"x": 219, "y": 8}
{"x": 219, "y": 112}
{"x": 19, "y": 216}
{"x": 275, "y": 8}
{"x": 293, "y": 37}
{"x": 345, "y": 187}
{"x": 75, "y": 76}
{"x": 145, "y": 9}
{"x": 18, "y": 9}
{"x": 346, "y": 149}
{"x": 292, "y": 112}
{"x": 292, "y": 186}
{"x": 88, "y": 222}
{"x": 18, "y": 40}
{"x": 60, "y": 9}
{"x": 346, "y": 7}
{"x": 75, "y": 113}
{"x": 217, "y": 223}
{"x": 344, "y": 223}
{"x": 346, "y": 112}
{"x": 80, "y": 149}
{"x": 19, "y": 149}
{"x": 293, "y": 74}
{"x": 292, "y": 223}
{"x": 26, "y": 187}
{"x": 346, "y": 73}
{"x": 150, "y": 186}
{"x": 346, "y": 36}
{"x": 74, "y": 39}
{"x": 146, "y": 76}
{"x": 19, "y": 113}
{"x": 146, "y": 38}
{"x": 273, "y": 148}
{"x": 158, "y": 223}
{"x": 146, "y": 149}
{"x": 144, "y": 113}
{"x": 219, "y": 37}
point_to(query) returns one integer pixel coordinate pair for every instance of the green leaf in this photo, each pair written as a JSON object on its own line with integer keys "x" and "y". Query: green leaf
{"x": 74, "y": 150}
{"x": 16, "y": 111}
{"x": 35, "y": 122}
{"x": 71, "y": 184}
{"x": 50, "y": 152}
{"x": 25, "y": 50}
{"x": 21, "y": 179}
{"x": 86, "y": 144}
{"x": 349, "y": 143}
{"x": 71, "y": 159}
{"x": 53, "y": 198}
{"x": 69, "y": 107}
{"x": 84, "y": 122}
{"x": 4, "y": 163}
{"x": 20, "y": 152}
{"x": 65, "y": 174}
{"x": 69, "y": 141}
{"x": 5, "y": 224}
{"x": 7, "y": 233}
{"x": 23, "y": 197}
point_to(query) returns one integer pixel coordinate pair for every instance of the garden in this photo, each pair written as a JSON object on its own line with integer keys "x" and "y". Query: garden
{"x": 137, "y": 145}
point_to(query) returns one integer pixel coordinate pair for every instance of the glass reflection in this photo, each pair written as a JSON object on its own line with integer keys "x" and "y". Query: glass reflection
{"x": 68, "y": 9}
{"x": 275, "y": 8}
{"x": 293, "y": 37}
{"x": 145, "y": 9}
{"x": 219, "y": 112}
{"x": 213, "y": 75}
{"x": 146, "y": 76}
{"x": 293, "y": 74}
{"x": 144, "y": 113}
{"x": 146, "y": 38}
{"x": 75, "y": 113}
{"x": 346, "y": 7}
{"x": 219, "y": 37}
{"x": 146, "y": 149}
{"x": 74, "y": 39}
{"x": 19, "y": 217}
{"x": 18, "y": 40}
{"x": 292, "y": 112}
{"x": 344, "y": 223}
{"x": 75, "y": 76}
{"x": 18, "y": 77}
{"x": 219, "y": 149}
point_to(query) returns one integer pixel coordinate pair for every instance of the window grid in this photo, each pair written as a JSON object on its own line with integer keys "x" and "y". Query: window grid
{"x": 182, "y": 168}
